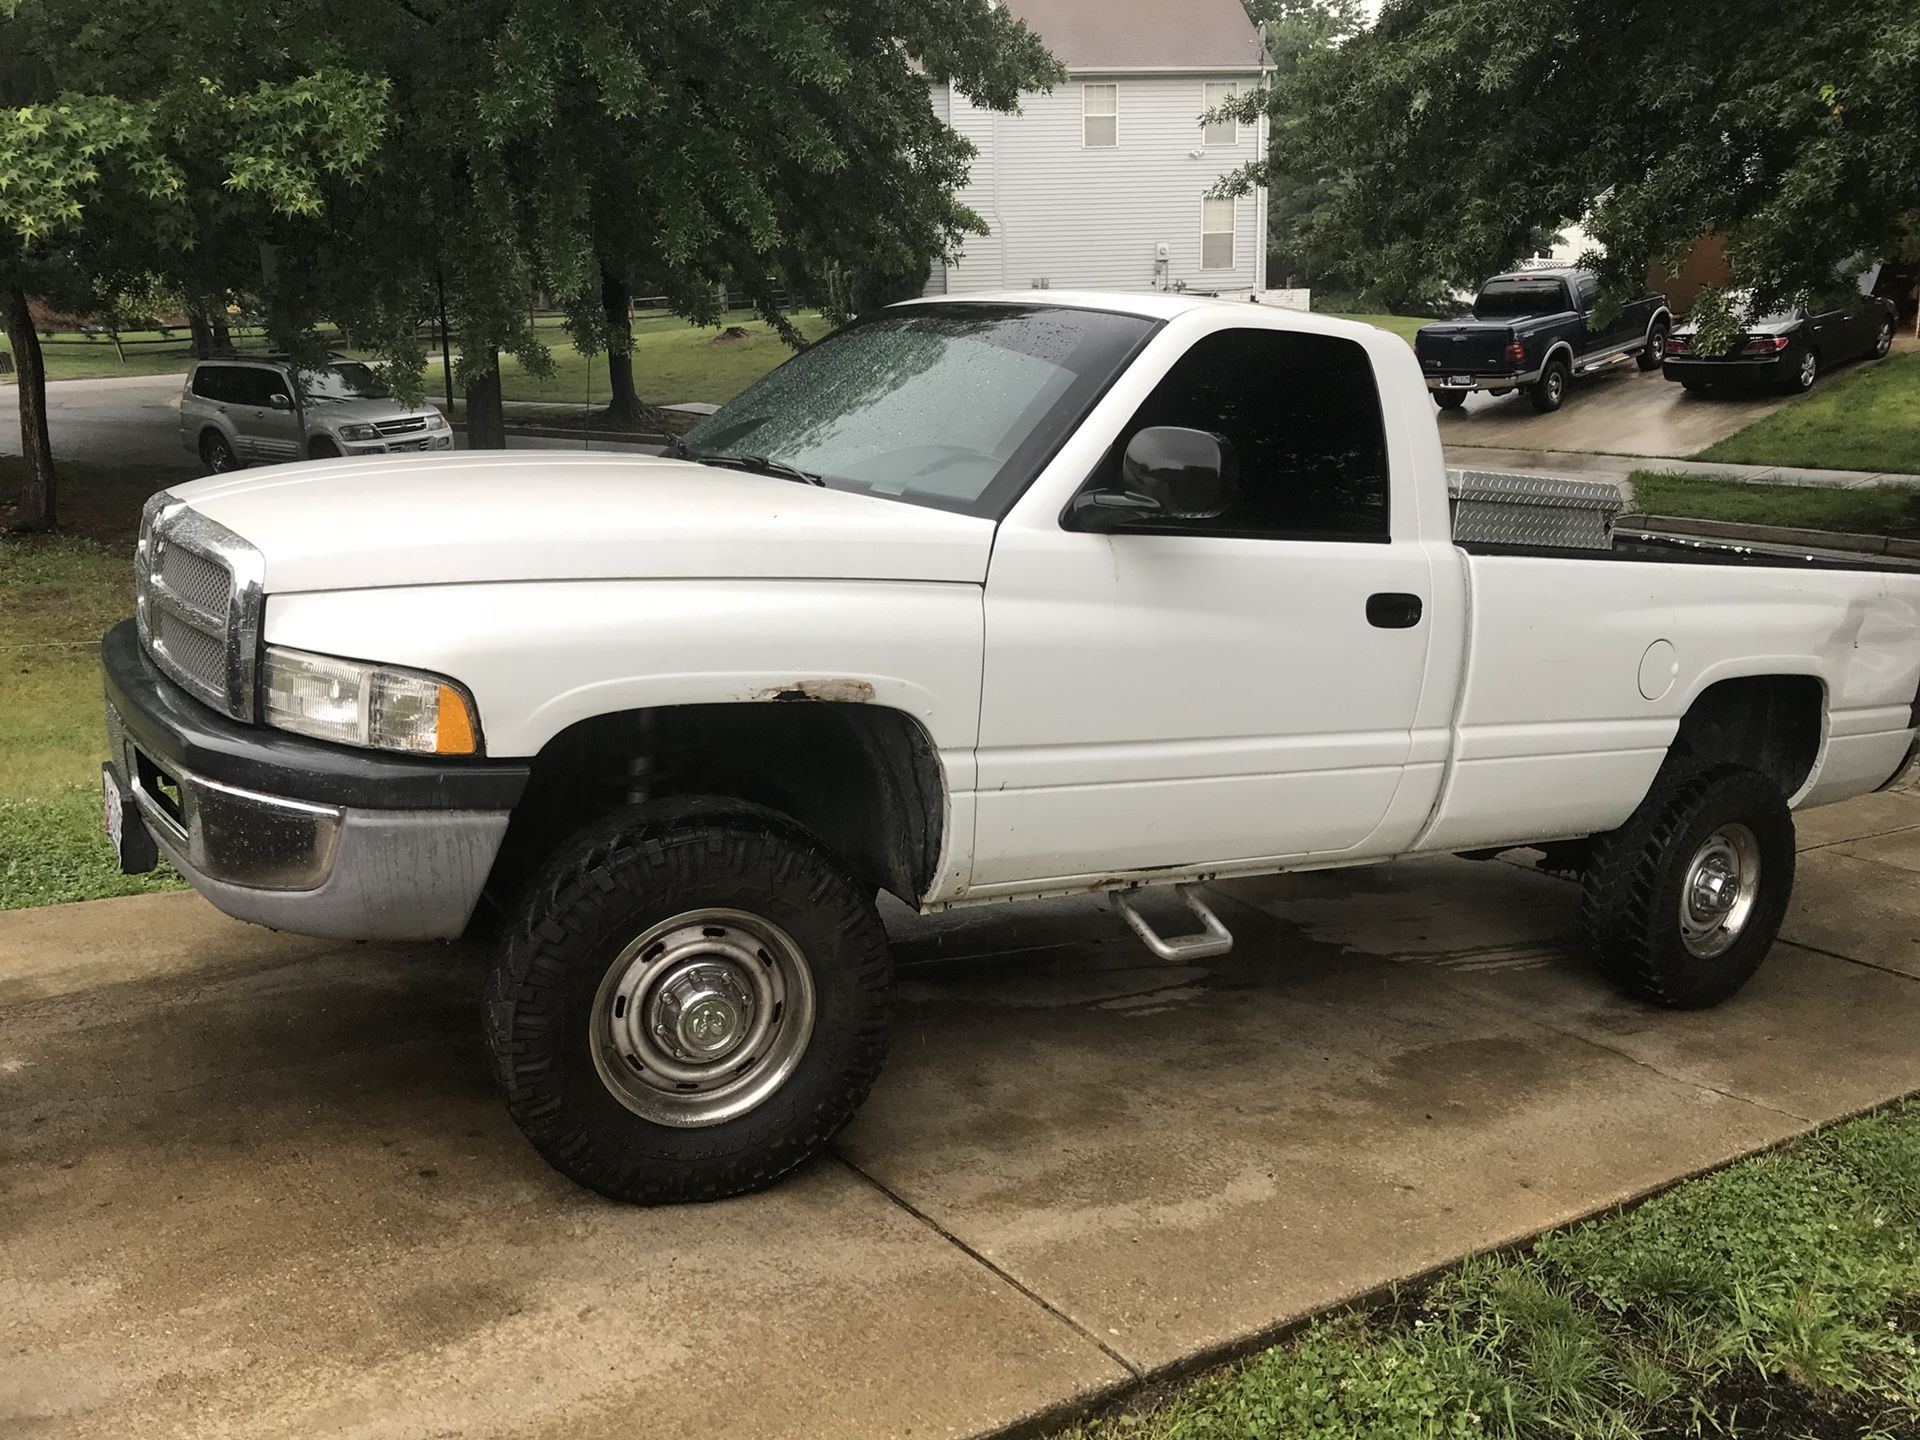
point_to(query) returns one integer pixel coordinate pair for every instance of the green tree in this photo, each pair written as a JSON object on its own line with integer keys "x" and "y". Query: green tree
{"x": 100, "y": 150}
{"x": 1456, "y": 127}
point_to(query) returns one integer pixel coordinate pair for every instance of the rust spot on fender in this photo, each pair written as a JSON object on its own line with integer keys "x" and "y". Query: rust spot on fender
{"x": 851, "y": 692}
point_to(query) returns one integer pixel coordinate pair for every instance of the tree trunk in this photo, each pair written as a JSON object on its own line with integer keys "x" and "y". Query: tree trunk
{"x": 36, "y": 510}
{"x": 202, "y": 333}
{"x": 616, "y": 299}
{"x": 486, "y": 418}
{"x": 217, "y": 323}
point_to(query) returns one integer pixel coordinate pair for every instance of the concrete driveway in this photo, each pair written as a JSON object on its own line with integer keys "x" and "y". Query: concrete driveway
{"x": 1619, "y": 411}
{"x": 255, "y": 1185}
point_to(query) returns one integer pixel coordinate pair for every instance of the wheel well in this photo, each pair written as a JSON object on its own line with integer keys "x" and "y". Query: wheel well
{"x": 1769, "y": 723}
{"x": 321, "y": 447}
{"x": 1559, "y": 347}
{"x": 864, "y": 779}
{"x": 210, "y": 432}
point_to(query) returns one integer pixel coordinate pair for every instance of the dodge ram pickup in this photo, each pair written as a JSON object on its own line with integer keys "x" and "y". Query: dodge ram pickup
{"x": 1535, "y": 330}
{"x": 971, "y": 601}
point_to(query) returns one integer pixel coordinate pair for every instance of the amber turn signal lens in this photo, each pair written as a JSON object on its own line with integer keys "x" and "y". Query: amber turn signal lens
{"x": 453, "y": 727}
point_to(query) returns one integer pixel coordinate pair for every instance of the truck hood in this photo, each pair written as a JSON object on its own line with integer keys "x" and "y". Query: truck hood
{"x": 363, "y": 411}
{"x": 452, "y": 519}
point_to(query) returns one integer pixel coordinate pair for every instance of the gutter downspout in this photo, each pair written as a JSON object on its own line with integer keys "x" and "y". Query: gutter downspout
{"x": 1260, "y": 245}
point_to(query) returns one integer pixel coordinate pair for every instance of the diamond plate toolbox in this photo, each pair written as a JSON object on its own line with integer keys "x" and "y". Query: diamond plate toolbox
{"x": 1544, "y": 511}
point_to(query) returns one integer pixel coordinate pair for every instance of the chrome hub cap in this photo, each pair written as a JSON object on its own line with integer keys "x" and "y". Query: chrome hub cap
{"x": 1808, "y": 368}
{"x": 703, "y": 1017}
{"x": 1718, "y": 894}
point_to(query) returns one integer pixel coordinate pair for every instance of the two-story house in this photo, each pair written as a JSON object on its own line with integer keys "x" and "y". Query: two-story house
{"x": 1102, "y": 183}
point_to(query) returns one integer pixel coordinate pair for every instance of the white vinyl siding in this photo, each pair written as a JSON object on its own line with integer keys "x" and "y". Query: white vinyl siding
{"x": 1224, "y": 132}
{"x": 1094, "y": 218}
{"x": 1216, "y": 234}
{"x": 1099, "y": 116}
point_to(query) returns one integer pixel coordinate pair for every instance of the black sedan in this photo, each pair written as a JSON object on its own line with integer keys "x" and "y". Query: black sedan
{"x": 1787, "y": 350}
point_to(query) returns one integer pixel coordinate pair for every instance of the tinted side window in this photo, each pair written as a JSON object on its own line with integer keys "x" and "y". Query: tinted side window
{"x": 213, "y": 382}
{"x": 1303, "y": 415}
{"x": 1589, "y": 288}
{"x": 253, "y": 384}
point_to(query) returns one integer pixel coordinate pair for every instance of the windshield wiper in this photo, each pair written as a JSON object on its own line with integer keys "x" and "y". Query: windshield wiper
{"x": 755, "y": 464}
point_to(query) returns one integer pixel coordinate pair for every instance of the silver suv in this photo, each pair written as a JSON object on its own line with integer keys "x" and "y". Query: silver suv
{"x": 261, "y": 409}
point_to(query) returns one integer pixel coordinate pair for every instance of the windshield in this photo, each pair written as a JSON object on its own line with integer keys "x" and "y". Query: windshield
{"x": 349, "y": 380}
{"x": 955, "y": 406}
{"x": 1545, "y": 296}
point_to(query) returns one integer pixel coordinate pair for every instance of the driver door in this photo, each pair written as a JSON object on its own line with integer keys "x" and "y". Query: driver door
{"x": 265, "y": 420}
{"x": 1188, "y": 693}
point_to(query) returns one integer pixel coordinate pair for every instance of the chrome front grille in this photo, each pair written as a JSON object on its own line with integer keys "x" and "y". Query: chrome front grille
{"x": 197, "y": 602}
{"x": 401, "y": 427}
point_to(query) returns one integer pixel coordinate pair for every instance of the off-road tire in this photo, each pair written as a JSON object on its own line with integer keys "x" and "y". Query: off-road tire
{"x": 1549, "y": 392}
{"x": 599, "y": 893}
{"x": 1630, "y": 911}
{"x": 1450, "y": 399}
{"x": 217, "y": 454}
{"x": 1655, "y": 350}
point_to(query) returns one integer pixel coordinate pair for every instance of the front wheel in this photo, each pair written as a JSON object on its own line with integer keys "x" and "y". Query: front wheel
{"x": 1655, "y": 349}
{"x": 693, "y": 1000}
{"x": 1550, "y": 390}
{"x": 217, "y": 454}
{"x": 1683, "y": 902}
{"x": 1883, "y": 341}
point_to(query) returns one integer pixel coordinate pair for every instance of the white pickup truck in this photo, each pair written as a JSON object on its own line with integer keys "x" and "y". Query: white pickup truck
{"x": 973, "y": 601}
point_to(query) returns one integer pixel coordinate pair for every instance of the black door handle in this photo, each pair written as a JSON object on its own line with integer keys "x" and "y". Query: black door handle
{"x": 1391, "y": 610}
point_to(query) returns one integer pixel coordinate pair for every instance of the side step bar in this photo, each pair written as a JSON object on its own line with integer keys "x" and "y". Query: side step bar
{"x": 1213, "y": 938}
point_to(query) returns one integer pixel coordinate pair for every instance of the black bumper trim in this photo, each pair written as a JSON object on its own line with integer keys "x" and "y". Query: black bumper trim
{"x": 180, "y": 733}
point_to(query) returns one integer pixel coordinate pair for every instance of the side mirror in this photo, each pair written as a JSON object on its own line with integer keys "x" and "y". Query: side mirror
{"x": 280, "y": 400}
{"x": 1168, "y": 472}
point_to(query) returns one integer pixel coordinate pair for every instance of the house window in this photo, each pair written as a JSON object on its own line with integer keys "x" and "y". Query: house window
{"x": 1099, "y": 116}
{"x": 1216, "y": 234}
{"x": 1221, "y": 132}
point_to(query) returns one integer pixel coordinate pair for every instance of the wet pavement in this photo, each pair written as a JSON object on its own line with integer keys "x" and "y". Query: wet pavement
{"x": 256, "y": 1185}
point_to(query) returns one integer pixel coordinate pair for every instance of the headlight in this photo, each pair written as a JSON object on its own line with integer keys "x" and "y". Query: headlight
{"x": 354, "y": 703}
{"x": 436, "y": 421}
{"x": 359, "y": 432}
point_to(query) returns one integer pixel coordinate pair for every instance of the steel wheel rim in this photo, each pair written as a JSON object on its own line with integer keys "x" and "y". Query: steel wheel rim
{"x": 1555, "y": 384}
{"x": 1721, "y": 888}
{"x": 219, "y": 457}
{"x": 1808, "y": 368}
{"x": 702, "y": 1018}
{"x": 1657, "y": 346}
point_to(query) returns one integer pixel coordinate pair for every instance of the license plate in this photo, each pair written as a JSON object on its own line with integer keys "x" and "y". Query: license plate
{"x": 113, "y": 809}
{"x": 1460, "y": 382}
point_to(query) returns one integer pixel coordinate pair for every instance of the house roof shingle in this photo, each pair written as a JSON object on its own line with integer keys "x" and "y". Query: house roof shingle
{"x": 1144, "y": 34}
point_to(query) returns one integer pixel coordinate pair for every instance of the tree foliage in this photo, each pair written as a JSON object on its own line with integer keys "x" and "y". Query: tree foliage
{"x": 1455, "y": 128}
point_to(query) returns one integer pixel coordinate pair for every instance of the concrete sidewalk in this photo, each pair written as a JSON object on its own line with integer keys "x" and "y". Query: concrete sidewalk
{"x": 1592, "y": 466}
{"x": 254, "y": 1185}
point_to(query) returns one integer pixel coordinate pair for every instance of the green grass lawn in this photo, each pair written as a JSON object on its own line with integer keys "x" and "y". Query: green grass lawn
{"x": 1404, "y": 326}
{"x": 1776, "y": 1299}
{"x": 1875, "y": 510}
{"x": 56, "y": 598}
{"x": 1863, "y": 417}
{"x": 672, "y": 361}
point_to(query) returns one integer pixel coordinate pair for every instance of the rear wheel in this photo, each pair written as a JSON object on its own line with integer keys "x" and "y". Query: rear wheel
{"x": 1450, "y": 399}
{"x": 1683, "y": 902}
{"x": 693, "y": 999}
{"x": 1550, "y": 390}
{"x": 1805, "y": 371}
{"x": 217, "y": 454}
{"x": 1655, "y": 350}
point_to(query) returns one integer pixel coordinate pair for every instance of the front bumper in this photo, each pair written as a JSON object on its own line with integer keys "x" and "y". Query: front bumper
{"x": 295, "y": 834}
{"x": 398, "y": 445}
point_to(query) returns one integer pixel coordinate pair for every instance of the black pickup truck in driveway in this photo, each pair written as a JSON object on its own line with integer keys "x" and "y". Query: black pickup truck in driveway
{"x": 1534, "y": 330}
